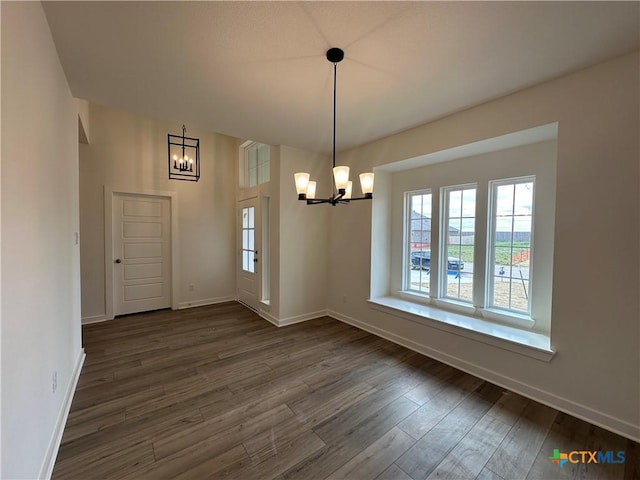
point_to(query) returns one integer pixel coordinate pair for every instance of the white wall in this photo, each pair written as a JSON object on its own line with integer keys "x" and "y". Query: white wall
{"x": 303, "y": 238}
{"x": 537, "y": 159}
{"x": 129, "y": 152}
{"x": 40, "y": 260}
{"x": 595, "y": 314}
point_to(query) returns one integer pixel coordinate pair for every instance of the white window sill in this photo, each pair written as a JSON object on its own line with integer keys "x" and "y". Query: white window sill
{"x": 531, "y": 344}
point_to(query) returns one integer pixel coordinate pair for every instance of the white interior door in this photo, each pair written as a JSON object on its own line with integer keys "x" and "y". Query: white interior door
{"x": 249, "y": 255}
{"x": 141, "y": 253}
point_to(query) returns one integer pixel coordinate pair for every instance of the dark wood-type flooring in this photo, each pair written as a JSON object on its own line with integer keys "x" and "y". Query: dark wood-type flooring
{"x": 217, "y": 392}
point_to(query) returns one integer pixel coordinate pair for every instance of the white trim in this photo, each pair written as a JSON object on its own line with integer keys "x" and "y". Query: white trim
{"x": 492, "y": 231}
{"x": 95, "y": 319}
{"x": 301, "y": 318}
{"x": 523, "y": 342}
{"x": 46, "y": 470}
{"x": 540, "y": 133}
{"x": 268, "y": 317}
{"x": 583, "y": 412}
{"x": 443, "y": 235}
{"x": 204, "y": 302}
{"x": 109, "y": 192}
{"x": 283, "y": 322}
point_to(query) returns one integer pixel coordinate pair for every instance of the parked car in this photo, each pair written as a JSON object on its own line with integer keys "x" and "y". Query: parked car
{"x": 422, "y": 260}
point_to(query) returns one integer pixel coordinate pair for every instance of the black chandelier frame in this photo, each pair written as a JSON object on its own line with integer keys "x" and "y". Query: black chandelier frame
{"x": 334, "y": 55}
{"x": 178, "y": 170}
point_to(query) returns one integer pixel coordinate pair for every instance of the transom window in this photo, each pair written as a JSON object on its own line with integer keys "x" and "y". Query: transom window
{"x": 257, "y": 157}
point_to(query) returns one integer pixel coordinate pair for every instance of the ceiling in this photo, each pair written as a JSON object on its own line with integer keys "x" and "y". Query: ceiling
{"x": 257, "y": 70}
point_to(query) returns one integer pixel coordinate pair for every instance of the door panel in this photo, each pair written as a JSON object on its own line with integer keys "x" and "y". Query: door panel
{"x": 142, "y": 253}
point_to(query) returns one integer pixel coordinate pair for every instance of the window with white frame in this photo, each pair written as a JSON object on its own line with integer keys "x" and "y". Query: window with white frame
{"x": 510, "y": 244}
{"x": 418, "y": 245}
{"x": 248, "y": 239}
{"x": 489, "y": 268}
{"x": 508, "y": 214}
{"x": 256, "y": 164}
{"x": 458, "y": 240}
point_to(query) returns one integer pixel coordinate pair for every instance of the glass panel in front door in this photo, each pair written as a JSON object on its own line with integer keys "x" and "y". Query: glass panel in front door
{"x": 248, "y": 239}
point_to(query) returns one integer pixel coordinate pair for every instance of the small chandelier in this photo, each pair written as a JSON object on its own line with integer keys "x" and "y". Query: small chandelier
{"x": 183, "y": 157}
{"x": 306, "y": 189}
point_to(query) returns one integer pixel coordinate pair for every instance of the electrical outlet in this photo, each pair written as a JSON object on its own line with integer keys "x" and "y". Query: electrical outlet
{"x": 54, "y": 382}
{"x": 344, "y": 299}
{"x": 192, "y": 287}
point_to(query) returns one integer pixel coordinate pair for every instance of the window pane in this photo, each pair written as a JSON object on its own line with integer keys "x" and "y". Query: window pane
{"x": 250, "y": 219}
{"x": 252, "y": 177}
{"x": 251, "y": 264}
{"x": 418, "y": 265}
{"x": 455, "y": 200}
{"x": 245, "y": 239}
{"x": 457, "y": 261}
{"x": 245, "y": 261}
{"x": 511, "y": 245}
{"x": 245, "y": 217}
{"x": 248, "y": 239}
{"x": 257, "y": 164}
{"x": 469, "y": 203}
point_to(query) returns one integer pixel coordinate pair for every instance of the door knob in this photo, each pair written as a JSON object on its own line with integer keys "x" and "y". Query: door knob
{"x": 118, "y": 260}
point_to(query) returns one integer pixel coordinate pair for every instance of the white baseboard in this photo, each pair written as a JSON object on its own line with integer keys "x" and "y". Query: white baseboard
{"x": 301, "y": 318}
{"x": 283, "y": 322}
{"x": 601, "y": 419}
{"x": 54, "y": 443}
{"x": 204, "y": 302}
{"x": 95, "y": 319}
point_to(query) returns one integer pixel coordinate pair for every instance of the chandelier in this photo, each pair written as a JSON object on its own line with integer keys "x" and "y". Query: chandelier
{"x": 183, "y": 157}
{"x": 306, "y": 189}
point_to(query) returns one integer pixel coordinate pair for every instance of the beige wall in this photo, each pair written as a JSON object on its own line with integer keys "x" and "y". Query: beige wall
{"x": 595, "y": 312}
{"x": 304, "y": 238}
{"x": 129, "y": 152}
{"x": 40, "y": 258}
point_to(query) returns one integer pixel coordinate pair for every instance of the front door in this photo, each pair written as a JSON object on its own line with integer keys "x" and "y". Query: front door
{"x": 141, "y": 253}
{"x": 248, "y": 262}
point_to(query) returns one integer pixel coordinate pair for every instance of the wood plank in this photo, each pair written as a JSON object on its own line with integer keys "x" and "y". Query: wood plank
{"x": 212, "y": 467}
{"x": 322, "y": 405}
{"x": 342, "y": 423}
{"x": 394, "y": 472}
{"x": 217, "y": 392}
{"x": 601, "y": 440}
{"x": 376, "y": 458}
{"x": 566, "y": 434}
{"x": 424, "y": 457}
{"x": 286, "y": 454}
{"x": 508, "y": 408}
{"x": 234, "y": 424}
{"x": 518, "y": 451}
{"x": 488, "y": 474}
{"x": 341, "y": 450}
{"x": 436, "y": 409}
{"x": 469, "y": 456}
{"x": 632, "y": 464}
{"x": 112, "y": 464}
